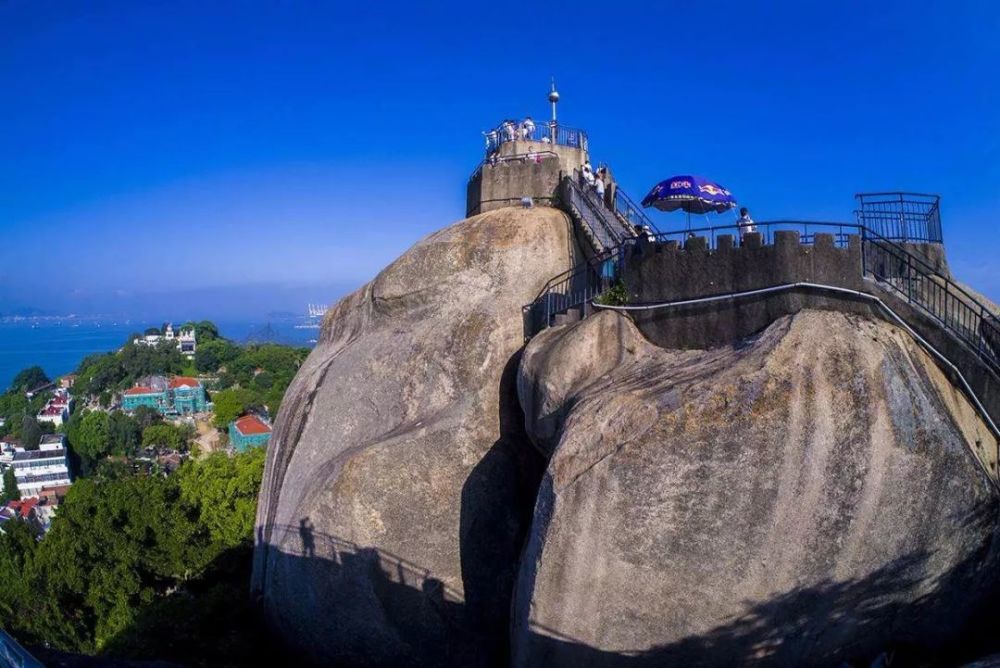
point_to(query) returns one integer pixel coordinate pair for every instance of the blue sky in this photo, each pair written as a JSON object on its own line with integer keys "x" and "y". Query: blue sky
{"x": 300, "y": 146}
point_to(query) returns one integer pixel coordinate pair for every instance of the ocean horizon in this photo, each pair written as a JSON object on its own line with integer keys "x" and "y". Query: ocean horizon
{"x": 58, "y": 346}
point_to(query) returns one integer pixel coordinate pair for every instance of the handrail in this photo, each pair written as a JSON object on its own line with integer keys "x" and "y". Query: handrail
{"x": 631, "y": 212}
{"x": 606, "y": 229}
{"x": 952, "y": 306}
{"x": 980, "y": 408}
{"x": 901, "y": 216}
{"x": 550, "y": 132}
{"x": 12, "y": 655}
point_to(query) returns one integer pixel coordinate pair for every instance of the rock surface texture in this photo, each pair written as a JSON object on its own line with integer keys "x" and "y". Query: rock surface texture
{"x": 802, "y": 498}
{"x": 399, "y": 481}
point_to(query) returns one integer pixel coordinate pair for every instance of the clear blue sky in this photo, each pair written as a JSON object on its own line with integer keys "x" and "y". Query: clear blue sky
{"x": 301, "y": 146}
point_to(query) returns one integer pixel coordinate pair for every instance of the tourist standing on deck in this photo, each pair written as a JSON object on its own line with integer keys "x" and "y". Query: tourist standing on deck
{"x": 509, "y": 131}
{"x": 528, "y": 129}
{"x": 745, "y": 224}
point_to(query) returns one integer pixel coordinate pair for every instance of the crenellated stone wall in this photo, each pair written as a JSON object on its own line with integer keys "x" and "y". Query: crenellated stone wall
{"x": 667, "y": 272}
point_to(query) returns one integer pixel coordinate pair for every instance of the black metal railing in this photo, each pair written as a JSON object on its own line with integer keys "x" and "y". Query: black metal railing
{"x": 603, "y": 226}
{"x": 546, "y": 132}
{"x": 807, "y": 232}
{"x": 573, "y": 288}
{"x": 901, "y": 217}
{"x": 12, "y": 655}
{"x": 589, "y": 280}
{"x": 949, "y": 304}
{"x": 631, "y": 214}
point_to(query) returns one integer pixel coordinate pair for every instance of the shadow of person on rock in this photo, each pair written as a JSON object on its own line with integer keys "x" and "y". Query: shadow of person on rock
{"x": 306, "y": 530}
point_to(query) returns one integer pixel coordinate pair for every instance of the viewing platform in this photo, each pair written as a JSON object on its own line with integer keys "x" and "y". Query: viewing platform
{"x": 524, "y": 163}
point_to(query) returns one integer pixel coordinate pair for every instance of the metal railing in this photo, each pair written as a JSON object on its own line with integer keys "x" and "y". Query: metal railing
{"x": 573, "y": 289}
{"x": 12, "y": 655}
{"x": 546, "y": 132}
{"x": 902, "y": 217}
{"x": 604, "y": 227}
{"x": 953, "y": 307}
{"x": 589, "y": 280}
{"x": 948, "y": 303}
{"x": 631, "y": 214}
{"x": 807, "y": 232}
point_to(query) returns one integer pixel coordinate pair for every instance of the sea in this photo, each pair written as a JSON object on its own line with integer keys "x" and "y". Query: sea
{"x": 59, "y": 344}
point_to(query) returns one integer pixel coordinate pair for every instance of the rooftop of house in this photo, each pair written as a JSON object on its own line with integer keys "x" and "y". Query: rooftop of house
{"x": 47, "y": 452}
{"x": 53, "y": 495}
{"x": 22, "y": 508}
{"x": 51, "y": 439}
{"x": 249, "y": 425}
{"x": 140, "y": 389}
{"x": 184, "y": 381}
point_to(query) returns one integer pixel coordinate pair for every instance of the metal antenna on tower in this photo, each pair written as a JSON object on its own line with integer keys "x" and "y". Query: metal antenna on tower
{"x": 553, "y": 98}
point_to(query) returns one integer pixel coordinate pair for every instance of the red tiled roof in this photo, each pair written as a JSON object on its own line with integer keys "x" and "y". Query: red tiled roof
{"x": 140, "y": 389}
{"x": 52, "y": 410}
{"x": 183, "y": 381}
{"x": 23, "y": 508}
{"x": 251, "y": 424}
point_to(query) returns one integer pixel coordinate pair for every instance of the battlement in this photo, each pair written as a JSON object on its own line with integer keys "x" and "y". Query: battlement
{"x": 672, "y": 272}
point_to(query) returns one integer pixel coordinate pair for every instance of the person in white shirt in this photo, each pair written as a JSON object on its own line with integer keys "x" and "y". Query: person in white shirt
{"x": 528, "y": 128}
{"x": 588, "y": 173}
{"x": 509, "y": 131}
{"x": 599, "y": 186}
{"x": 745, "y": 224}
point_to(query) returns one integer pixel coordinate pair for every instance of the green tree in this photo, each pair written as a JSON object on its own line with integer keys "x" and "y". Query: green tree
{"x": 224, "y": 489}
{"x": 130, "y": 559}
{"x": 163, "y": 435}
{"x": 231, "y": 403}
{"x": 10, "y": 490}
{"x": 17, "y": 549}
{"x": 206, "y": 331}
{"x": 90, "y": 438}
{"x": 212, "y": 354}
{"x": 146, "y": 416}
{"x": 31, "y": 432}
{"x": 124, "y": 434}
{"x": 152, "y": 331}
{"x": 29, "y": 378}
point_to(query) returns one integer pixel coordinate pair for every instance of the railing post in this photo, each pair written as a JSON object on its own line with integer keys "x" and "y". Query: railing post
{"x": 979, "y": 330}
{"x": 864, "y": 253}
{"x": 909, "y": 281}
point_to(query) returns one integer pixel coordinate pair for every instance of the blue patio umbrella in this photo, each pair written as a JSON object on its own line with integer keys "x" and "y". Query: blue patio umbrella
{"x": 693, "y": 194}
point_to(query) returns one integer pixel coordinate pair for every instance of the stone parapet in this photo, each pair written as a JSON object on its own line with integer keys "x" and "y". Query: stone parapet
{"x": 656, "y": 273}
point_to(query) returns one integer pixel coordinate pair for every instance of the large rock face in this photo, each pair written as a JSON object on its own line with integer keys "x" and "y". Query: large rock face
{"x": 399, "y": 482}
{"x": 802, "y": 498}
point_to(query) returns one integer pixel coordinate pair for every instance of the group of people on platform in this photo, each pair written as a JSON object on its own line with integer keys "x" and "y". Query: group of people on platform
{"x": 511, "y": 130}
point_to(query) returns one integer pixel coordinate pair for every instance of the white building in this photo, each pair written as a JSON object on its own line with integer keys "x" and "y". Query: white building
{"x": 7, "y": 448}
{"x": 184, "y": 338}
{"x": 48, "y": 466}
{"x": 57, "y": 409}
